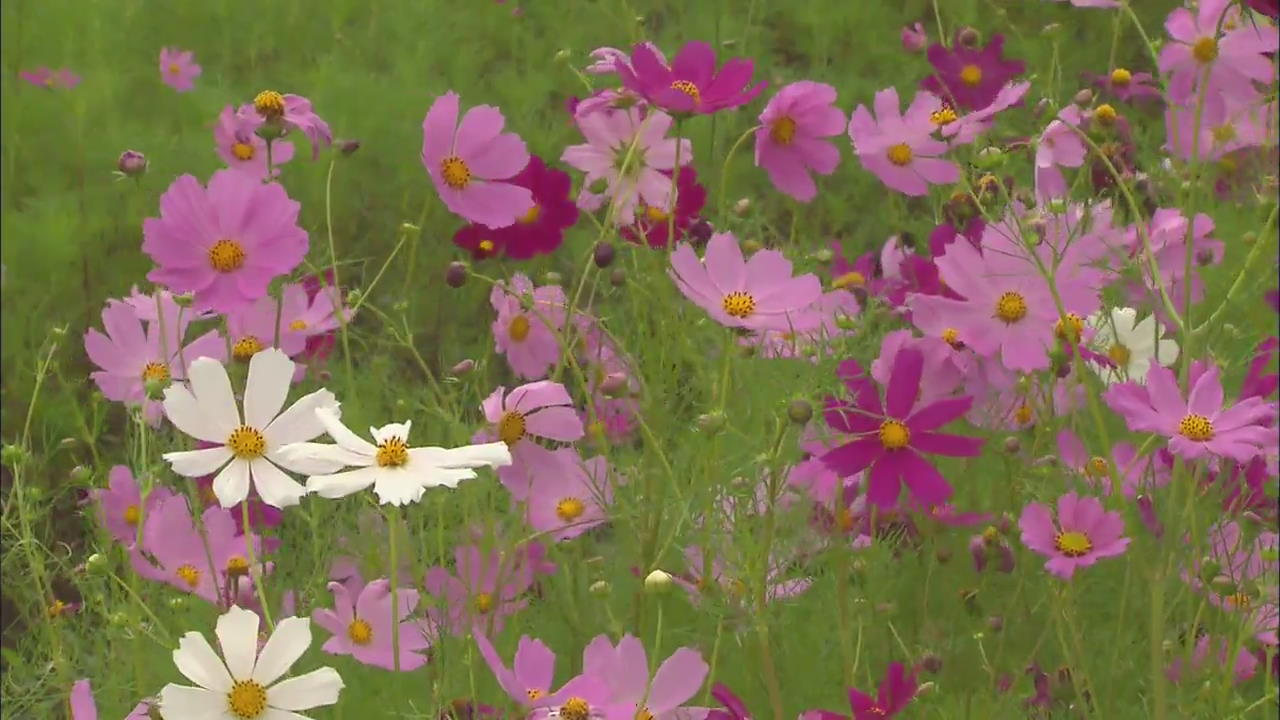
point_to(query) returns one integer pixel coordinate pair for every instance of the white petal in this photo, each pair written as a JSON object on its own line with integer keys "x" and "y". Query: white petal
{"x": 398, "y": 487}
{"x": 299, "y": 423}
{"x": 316, "y": 688}
{"x": 342, "y": 484}
{"x": 182, "y": 409}
{"x": 270, "y": 375}
{"x": 275, "y": 488}
{"x": 196, "y": 660}
{"x": 237, "y": 632}
{"x": 275, "y": 714}
{"x": 495, "y": 454}
{"x": 231, "y": 486}
{"x": 442, "y": 477}
{"x": 198, "y": 463}
{"x": 392, "y": 430}
{"x": 341, "y": 434}
{"x": 1123, "y": 318}
{"x": 318, "y": 458}
{"x": 179, "y": 702}
{"x": 212, "y": 388}
{"x": 1167, "y": 351}
{"x": 291, "y": 638}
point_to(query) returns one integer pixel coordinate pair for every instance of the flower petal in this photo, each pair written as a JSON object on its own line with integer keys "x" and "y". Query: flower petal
{"x": 196, "y": 660}
{"x": 316, "y": 688}
{"x": 291, "y": 638}
{"x": 237, "y": 632}
{"x": 270, "y": 375}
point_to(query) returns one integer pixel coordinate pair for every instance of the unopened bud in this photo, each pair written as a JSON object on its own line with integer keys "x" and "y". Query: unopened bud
{"x": 968, "y": 37}
{"x": 600, "y": 588}
{"x": 701, "y": 231}
{"x": 989, "y": 158}
{"x": 184, "y": 300}
{"x": 68, "y": 443}
{"x": 81, "y": 475}
{"x": 1050, "y": 29}
{"x": 1249, "y": 238}
{"x": 1043, "y": 106}
{"x": 751, "y": 246}
{"x": 132, "y": 163}
{"x": 178, "y": 602}
{"x": 354, "y": 297}
{"x": 914, "y": 38}
{"x": 562, "y": 55}
{"x": 800, "y": 411}
{"x": 463, "y": 367}
{"x": 742, "y": 207}
{"x": 552, "y": 278}
{"x": 348, "y": 147}
{"x": 604, "y": 255}
{"x": 1083, "y": 98}
{"x": 95, "y": 563}
{"x": 618, "y": 277}
{"x": 13, "y": 455}
{"x": 1012, "y": 445}
{"x": 657, "y": 582}
{"x": 614, "y": 384}
{"x": 711, "y": 423}
{"x": 996, "y": 623}
{"x": 943, "y": 555}
{"x": 118, "y": 619}
{"x": 456, "y": 275}
{"x": 823, "y": 256}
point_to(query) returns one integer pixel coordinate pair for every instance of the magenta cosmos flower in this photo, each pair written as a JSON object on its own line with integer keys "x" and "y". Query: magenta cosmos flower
{"x": 51, "y": 79}
{"x": 486, "y": 589}
{"x": 540, "y": 230}
{"x": 1200, "y": 425}
{"x": 1229, "y": 62}
{"x": 362, "y": 626}
{"x": 467, "y": 160}
{"x": 567, "y": 495}
{"x": 789, "y": 142}
{"x": 889, "y": 438}
{"x": 1083, "y": 534}
{"x": 120, "y": 505}
{"x": 899, "y": 148}
{"x": 970, "y": 78}
{"x": 528, "y": 337}
{"x": 178, "y": 69}
{"x": 691, "y": 84}
{"x": 292, "y": 112}
{"x": 756, "y": 294}
{"x": 896, "y": 692}
{"x": 224, "y": 244}
{"x": 532, "y": 669}
{"x": 238, "y": 144}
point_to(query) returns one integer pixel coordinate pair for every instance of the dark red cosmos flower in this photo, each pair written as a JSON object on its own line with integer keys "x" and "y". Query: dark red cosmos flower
{"x": 539, "y": 231}
{"x": 691, "y": 84}
{"x": 1270, "y": 8}
{"x": 652, "y": 223}
{"x": 970, "y": 78}
{"x": 734, "y": 708}
{"x": 896, "y": 692}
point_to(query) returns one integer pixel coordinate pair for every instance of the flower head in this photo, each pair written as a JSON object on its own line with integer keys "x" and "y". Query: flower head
{"x": 968, "y": 77}
{"x": 1133, "y": 346}
{"x": 691, "y": 84}
{"x": 652, "y": 222}
{"x": 567, "y": 495}
{"x": 540, "y": 230}
{"x": 1083, "y": 533}
{"x": 486, "y": 589}
{"x": 292, "y": 112}
{"x": 241, "y": 148}
{"x": 899, "y": 148}
{"x": 51, "y": 79}
{"x": 896, "y": 691}
{"x": 178, "y": 69}
{"x": 527, "y": 335}
{"x": 120, "y": 505}
{"x": 789, "y": 142}
{"x": 363, "y": 628}
{"x": 1129, "y": 86}
{"x": 1201, "y": 53}
{"x": 531, "y": 673}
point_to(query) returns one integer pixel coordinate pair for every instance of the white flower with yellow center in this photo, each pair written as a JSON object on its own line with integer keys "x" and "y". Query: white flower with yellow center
{"x": 398, "y": 473}
{"x": 248, "y": 449}
{"x": 1131, "y": 345}
{"x": 239, "y": 685}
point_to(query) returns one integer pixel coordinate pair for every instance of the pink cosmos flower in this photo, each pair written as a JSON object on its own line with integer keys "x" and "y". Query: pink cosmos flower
{"x": 1129, "y": 86}
{"x": 120, "y": 506}
{"x": 1225, "y": 126}
{"x": 1242, "y": 667}
{"x": 813, "y": 331}
{"x": 83, "y": 706}
{"x": 1199, "y": 426}
{"x": 240, "y": 147}
{"x": 1229, "y": 62}
{"x": 691, "y": 84}
{"x": 914, "y": 37}
{"x": 628, "y": 150}
{"x": 531, "y": 672}
{"x": 51, "y": 79}
{"x": 486, "y": 589}
{"x": 292, "y": 112}
{"x": 604, "y": 60}
{"x": 1083, "y": 534}
{"x": 134, "y": 353}
{"x": 888, "y": 438}
{"x": 1059, "y": 146}
{"x": 541, "y": 409}
{"x": 567, "y": 495}
{"x": 178, "y": 69}
{"x": 653, "y": 222}
{"x": 362, "y": 626}
{"x": 899, "y": 148}
{"x": 467, "y": 161}
{"x": 528, "y": 337}
{"x": 625, "y": 670}
{"x": 261, "y": 515}
{"x": 944, "y": 368}
{"x": 539, "y": 231}
{"x": 253, "y": 328}
{"x": 896, "y": 692}
{"x": 969, "y": 78}
{"x": 226, "y": 243}
{"x": 789, "y": 141}
{"x": 966, "y": 128}
{"x": 756, "y": 294}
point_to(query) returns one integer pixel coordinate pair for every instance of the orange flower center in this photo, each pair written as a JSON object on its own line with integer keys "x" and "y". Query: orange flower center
{"x": 226, "y": 256}
{"x": 783, "y": 130}
{"x": 455, "y": 172}
{"x": 738, "y": 304}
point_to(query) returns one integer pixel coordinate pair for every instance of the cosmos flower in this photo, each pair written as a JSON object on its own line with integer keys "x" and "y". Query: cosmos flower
{"x": 51, "y": 79}
{"x": 527, "y": 337}
{"x": 83, "y": 706}
{"x": 486, "y": 589}
{"x": 1229, "y": 63}
{"x": 691, "y": 84}
{"x": 789, "y": 142}
{"x": 291, "y": 112}
{"x": 120, "y": 506}
{"x": 1129, "y": 86}
{"x": 1131, "y": 345}
{"x": 362, "y": 626}
{"x": 540, "y": 410}
{"x": 899, "y": 148}
{"x": 1057, "y": 147}
{"x": 652, "y": 222}
{"x": 531, "y": 672}
{"x": 1083, "y": 533}
{"x": 240, "y": 147}
{"x": 626, "y": 671}
{"x": 567, "y": 495}
{"x": 540, "y": 230}
{"x": 896, "y": 691}
{"x": 969, "y": 78}
{"x": 178, "y": 69}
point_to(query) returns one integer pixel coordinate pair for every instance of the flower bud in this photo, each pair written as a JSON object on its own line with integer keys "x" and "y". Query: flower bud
{"x": 1012, "y": 445}
{"x": 118, "y": 619}
{"x": 742, "y": 207}
{"x": 751, "y": 246}
{"x": 1249, "y": 238}
{"x": 701, "y": 231}
{"x": 600, "y": 588}
{"x": 968, "y": 37}
{"x": 81, "y": 475}
{"x": 989, "y": 158}
{"x": 943, "y": 555}
{"x": 978, "y": 550}
{"x": 931, "y": 662}
{"x": 914, "y": 38}
{"x": 604, "y": 255}
{"x": 614, "y": 384}
{"x": 552, "y": 278}
{"x": 132, "y": 163}
{"x": 711, "y": 423}
{"x": 1083, "y": 98}
{"x": 657, "y": 582}
{"x": 178, "y": 602}
{"x": 1105, "y": 115}
{"x": 95, "y": 563}
{"x": 823, "y": 256}
{"x": 456, "y": 275}
{"x": 800, "y": 411}
{"x": 348, "y": 147}
{"x": 1043, "y": 106}
{"x": 13, "y": 455}
{"x": 996, "y": 623}
{"x": 618, "y": 277}
{"x": 1051, "y": 29}
{"x": 463, "y": 367}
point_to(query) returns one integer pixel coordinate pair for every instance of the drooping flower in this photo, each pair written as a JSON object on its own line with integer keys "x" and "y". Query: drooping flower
{"x": 249, "y": 450}
{"x": 899, "y": 148}
{"x": 652, "y": 222}
{"x": 292, "y": 112}
{"x": 1228, "y": 63}
{"x": 528, "y": 337}
{"x": 1129, "y": 86}
{"x": 970, "y": 78}
{"x": 178, "y": 69}
{"x": 226, "y": 243}
{"x": 487, "y": 588}
{"x": 1083, "y": 533}
{"x": 120, "y": 505}
{"x": 472, "y": 163}
{"x": 363, "y": 628}
{"x": 789, "y": 142}
{"x": 398, "y": 473}
{"x": 240, "y": 147}
{"x": 532, "y": 669}
{"x": 1131, "y": 345}
{"x": 242, "y": 683}
{"x": 62, "y": 79}
{"x": 896, "y": 691}
{"x": 1058, "y": 146}
{"x": 691, "y": 84}
{"x": 914, "y": 37}
{"x": 567, "y": 495}
{"x": 540, "y": 230}
{"x": 756, "y": 294}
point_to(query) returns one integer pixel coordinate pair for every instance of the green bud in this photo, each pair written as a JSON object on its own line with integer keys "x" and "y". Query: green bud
{"x": 800, "y": 411}
{"x": 81, "y": 475}
{"x": 711, "y": 423}
{"x": 95, "y": 563}
{"x": 657, "y": 582}
{"x": 989, "y": 158}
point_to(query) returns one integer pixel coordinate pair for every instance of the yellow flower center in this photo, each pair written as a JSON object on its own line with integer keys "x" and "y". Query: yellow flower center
{"x": 360, "y": 632}
{"x": 570, "y": 509}
{"x": 1023, "y": 414}
{"x": 486, "y": 247}
{"x": 247, "y": 443}
{"x": 1096, "y": 467}
{"x": 943, "y": 116}
{"x": 1196, "y": 428}
{"x": 1205, "y": 50}
{"x": 155, "y": 371}
{"x": 1011, "y": 307}
{"x": 534, "y": 693}
{"x": 1121, "y": 77}
{"x": 132, "y": 515}
{"x": 642, "y": 713}
{"x": 655, "y": 214}
{"x": 783, "y": 130}
{"x": 246, "y": 347}
{"x": 1073, "y": 544}
{"x": 1224, "y": 134}
{"x": 990, "y": 534}
{"x": 899, "y": 154}
{"x": 483, "y": 603}
{"x": 237, "y": 566}
{"x": 511, "y": 428}
{"x": 518, "y": 329}
{"x": 687, "y": 88}
{"x": 575, "y": 708}
{"x": 1105, "y": 114}
{"x": 1119, "y": 354}
{"x": 738, "y": 304}
{"x": 392, "y": 452}
{"x": 853, "y": 279}
{"x": 226, "y": 256}
{"x": 1071, "y": 329}
{"x": 894, "y": 435}
{"x": 174, "y": 68}
{"x": 298, "y": 325}
{"x": 952, "y": 337}
{"x": 242, "y": 151}
{"x": 531, "y": 216}
{"x": 455, "y": 172}
{"x": 246, "y": 700}
{"x": 971, "y": 75}
{"x": 57, "y": 608}
{"x": 189, "y": 574}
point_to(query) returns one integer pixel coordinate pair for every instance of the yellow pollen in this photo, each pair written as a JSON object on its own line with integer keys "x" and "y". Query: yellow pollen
{"x": 1238, "y": 600}
{"x": 1196, "y": 428}
{"x": 1071, "y": 329}
{"x": 1205, "y": 50}
{"x": 298, "y": 325}
{"x": 534, "y": 693}
{"x": 269, "y": 104}
{"x": 1011, "y": 307}
{"x": 247, "y": 443}
{"x": 943, "y": 116}
{"x": 511, "y": 428}
{"x": 1073, "y": 544}
{"x": 642, "y": 713}
{"x": 132, "y": 515}
{"x": 455, "y": 172}
{"x": 57, "y": 608}
{"x": 531, "y": 216}
{"x": 246, "y": 347}
{"x": 783, "y": 130}
{"x": 844, "y": 519}
{"x": 655, "y": 214}
{"x": 1023, "y": 414}
{"x": 738, "y": 304}
{"x": 971, "y": 75}
{"x": 852, "y": 279}
{"x": 575, "y": 708}
{"x": 990, "y": 534}
{"x": 189, "y": 574}
{"x": 483, "y": 603}
{"x": 392, "y": 452}
{"x": 360, "y": 632}
{"x": 246, "y": 700}
{"x": 485, "y": 246}
{"x": 687, "y": 88}
{"x": 1121, "y": 77}
{"x": 237, "y": 566}
{"x": 155, "y": 371}
{"x": 1105, "y": 114}
{"x": 226, "y": 256}
{"x": 1119, "y": 354}
{"x": 894, "y": 435}
{"x": 1096, "y": 467}
{"x": 1224, "y": 133}
{"x": 570, "y": 509}
{"x": 518, "y": 329}
{"x": 242, "y": 151}
{"x": 952, "y": 337}
{"x": 899, "y": 154}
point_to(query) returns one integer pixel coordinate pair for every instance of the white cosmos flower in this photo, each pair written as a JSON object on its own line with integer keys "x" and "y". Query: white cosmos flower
{"x": 398, "y": 473}
{"x": 1132, "y": 347}
{"x": 248, "y": 449}
{"x": 241, "y": 687}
